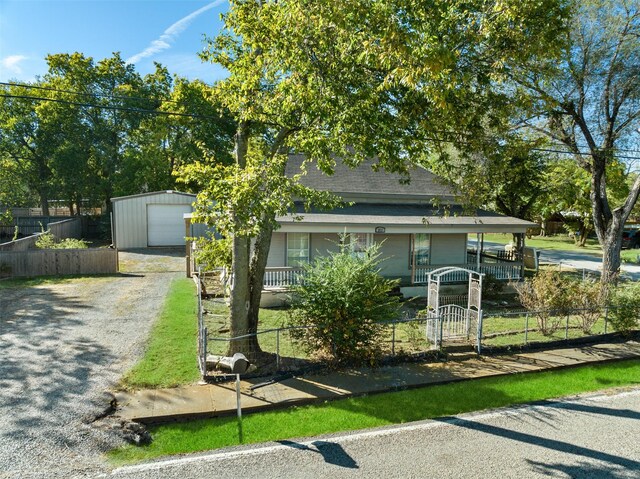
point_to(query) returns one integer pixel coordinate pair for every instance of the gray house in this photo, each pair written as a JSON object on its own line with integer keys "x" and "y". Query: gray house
{"x": 416, "y": 236}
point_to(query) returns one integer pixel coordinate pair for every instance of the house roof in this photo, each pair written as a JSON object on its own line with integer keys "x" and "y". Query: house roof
{"x": 365, "y": 181}
{"x": 411, "y": 215}
{"x": 154, "y": 193}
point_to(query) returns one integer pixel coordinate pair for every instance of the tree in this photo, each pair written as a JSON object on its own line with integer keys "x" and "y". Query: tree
{"x": 588, "y": 102}
{"x": 165, "y": 143}
{"x": 345, "y": 81}
{"x": 26, "y": 140}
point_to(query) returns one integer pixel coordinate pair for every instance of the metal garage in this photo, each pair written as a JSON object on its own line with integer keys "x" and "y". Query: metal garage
{"x": 150, "y": 219}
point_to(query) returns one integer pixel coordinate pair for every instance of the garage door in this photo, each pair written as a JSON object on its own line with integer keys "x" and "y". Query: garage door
{"x": 165, "y": 224}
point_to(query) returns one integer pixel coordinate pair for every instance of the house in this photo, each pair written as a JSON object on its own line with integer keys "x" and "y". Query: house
{"x": 419, "y": 224}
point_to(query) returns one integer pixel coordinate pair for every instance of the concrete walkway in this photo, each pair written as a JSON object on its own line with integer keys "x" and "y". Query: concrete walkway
{"x": 161, "y": 405}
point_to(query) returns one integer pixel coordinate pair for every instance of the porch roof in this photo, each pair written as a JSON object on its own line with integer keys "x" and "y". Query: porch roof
{"x": 401, "y": 218}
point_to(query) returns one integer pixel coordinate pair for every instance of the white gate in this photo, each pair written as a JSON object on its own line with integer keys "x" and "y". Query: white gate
{"x": 452, "y": 322}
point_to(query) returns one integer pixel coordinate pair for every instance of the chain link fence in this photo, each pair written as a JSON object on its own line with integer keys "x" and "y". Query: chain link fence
{"x": 276, "y": 347}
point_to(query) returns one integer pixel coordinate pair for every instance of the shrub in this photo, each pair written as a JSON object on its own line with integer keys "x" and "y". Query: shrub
{"x": 343, "y": 298}
{"x": 491, "y": 287}
{"x": 625, "y": 311}
{"x": 588, "y": 297}
{"x": 551, "y": 296}
{"x": 48, "y": 241}
{"x": 545, "y": 295}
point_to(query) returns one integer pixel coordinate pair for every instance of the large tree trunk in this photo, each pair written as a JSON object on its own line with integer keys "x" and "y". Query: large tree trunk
{"x": 609, "y": 224}
{"x": 240, "y": 270}
{"x": 257, "y": 267}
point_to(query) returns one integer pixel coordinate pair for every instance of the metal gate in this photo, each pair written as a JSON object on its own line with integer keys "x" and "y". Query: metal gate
{"x": 452, "y": 322}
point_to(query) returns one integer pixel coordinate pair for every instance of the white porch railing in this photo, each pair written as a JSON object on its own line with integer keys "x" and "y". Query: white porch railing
{"x": 502, "y": 271}
{"x": 277, "y": 278}
{"x": 283, "y": 277}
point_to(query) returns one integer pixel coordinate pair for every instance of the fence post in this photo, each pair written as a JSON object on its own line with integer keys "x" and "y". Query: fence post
{"x": 566, "y": 329}
{"x": 393, "y": 337}
{"x": 440, "y": 330}
{"x": 606, "y": 318}
{"x": 480, "y": 320}
{"x": 204, "y": 352}
{"x": 526, "y": 329}
{"x": 278, "y": 349}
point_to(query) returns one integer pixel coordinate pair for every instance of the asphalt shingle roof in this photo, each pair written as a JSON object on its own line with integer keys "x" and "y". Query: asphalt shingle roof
{"x": 363, "y": 180}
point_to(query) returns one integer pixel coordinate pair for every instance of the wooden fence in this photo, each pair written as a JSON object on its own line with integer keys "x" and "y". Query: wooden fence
{"x": 47, "y": 262}
{"x": 71, "y": 228}
{"x": 22, "y": 244}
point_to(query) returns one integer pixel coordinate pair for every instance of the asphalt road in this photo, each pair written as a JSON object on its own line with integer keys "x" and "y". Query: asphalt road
{"x": 596, "y": 436}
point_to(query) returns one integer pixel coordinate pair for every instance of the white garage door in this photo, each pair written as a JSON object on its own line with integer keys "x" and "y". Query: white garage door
{"x": 165, "y": 224}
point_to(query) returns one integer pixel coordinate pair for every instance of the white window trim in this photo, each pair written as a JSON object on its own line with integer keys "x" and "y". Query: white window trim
{"x": 286, "y": 248}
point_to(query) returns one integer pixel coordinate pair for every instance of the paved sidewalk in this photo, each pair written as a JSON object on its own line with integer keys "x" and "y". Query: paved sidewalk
{"x": 161, "y": 405}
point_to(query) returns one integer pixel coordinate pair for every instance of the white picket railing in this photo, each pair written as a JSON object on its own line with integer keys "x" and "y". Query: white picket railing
{"x": 502, "y": 271}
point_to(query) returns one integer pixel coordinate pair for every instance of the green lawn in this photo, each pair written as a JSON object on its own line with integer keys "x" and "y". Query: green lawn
{"x": 170, "y": 358}
{"x": 630, "y": 256}
{"x": 518, "y": 324}
{"x": 559, "y": 242}
{"x": 380, "y": 410}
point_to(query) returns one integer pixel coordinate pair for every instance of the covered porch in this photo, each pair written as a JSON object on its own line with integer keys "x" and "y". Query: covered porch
{"x": 410, "y": 266}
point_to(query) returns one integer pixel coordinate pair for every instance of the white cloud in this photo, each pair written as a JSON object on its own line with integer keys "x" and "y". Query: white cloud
{"x": 164, "y": 41}
{"x": 12, "y": 63}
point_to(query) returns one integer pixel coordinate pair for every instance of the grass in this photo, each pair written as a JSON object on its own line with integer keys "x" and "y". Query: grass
{"x": 43, "y": 281}
{"x": 170, "y": 356}
{"x": 517, "y": 325}
{"x": 630, "y": 256}
{"x": 380, "y": 410}
{"x": 559, "y": 242}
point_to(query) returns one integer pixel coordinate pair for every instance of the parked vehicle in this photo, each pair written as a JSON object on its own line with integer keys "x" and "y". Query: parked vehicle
{"x": 631, "y": 238}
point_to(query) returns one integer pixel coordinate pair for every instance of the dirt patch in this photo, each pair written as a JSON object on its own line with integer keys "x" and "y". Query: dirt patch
{"x": 152, "y": 260}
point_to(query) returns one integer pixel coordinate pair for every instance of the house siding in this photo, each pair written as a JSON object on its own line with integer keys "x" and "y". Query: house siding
{"x": 395, "y": 252}
{"x": 447, "y": 249}
{"x": 322, "y": 244}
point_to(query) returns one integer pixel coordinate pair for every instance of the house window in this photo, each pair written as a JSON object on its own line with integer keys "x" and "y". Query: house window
{"x": 420, "y": 253}
{"x": 297, "y": 249}
{"x": 359, "y": 243}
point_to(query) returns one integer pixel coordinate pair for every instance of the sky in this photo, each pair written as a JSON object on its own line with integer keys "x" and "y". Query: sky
{"x": 143, "y": 31}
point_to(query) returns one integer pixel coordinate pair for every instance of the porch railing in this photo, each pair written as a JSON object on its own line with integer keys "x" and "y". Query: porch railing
{"x": 502, "y": 271}
{"x": 283, "y": 277}
{"x": 276, "y": 278}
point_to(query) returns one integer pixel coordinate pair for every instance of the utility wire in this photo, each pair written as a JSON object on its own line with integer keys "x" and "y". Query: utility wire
{"x": 191, "y": 115}
{"x": 111, "y": 107}
{"x": 107, "y": 95}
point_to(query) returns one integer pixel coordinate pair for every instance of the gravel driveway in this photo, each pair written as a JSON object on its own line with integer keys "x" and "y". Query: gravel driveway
{"x": 62, "y": 346}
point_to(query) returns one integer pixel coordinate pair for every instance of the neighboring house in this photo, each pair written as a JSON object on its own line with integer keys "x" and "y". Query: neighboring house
{"x": 416, "y": 236}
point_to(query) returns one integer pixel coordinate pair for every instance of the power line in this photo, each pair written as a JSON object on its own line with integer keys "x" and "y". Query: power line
{"x": 191, "y": 115}
{"x": 111, "y": 107}
{"x": 94, "y": 94}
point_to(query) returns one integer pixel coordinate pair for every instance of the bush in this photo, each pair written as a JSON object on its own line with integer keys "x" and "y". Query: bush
{"x": 48, "y": 241}
{"x": 546, "y": 297}
{"x": 551, "y": 295}
{"x": 343, "y": 300}
{"x": 625, "y": 311}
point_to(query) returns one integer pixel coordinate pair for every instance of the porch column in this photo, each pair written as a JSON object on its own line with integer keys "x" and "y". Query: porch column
{"x": 521, "y": 254}
{"x": 480, "y": 248}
